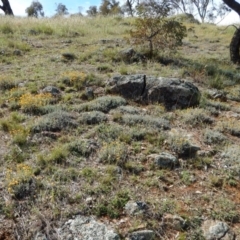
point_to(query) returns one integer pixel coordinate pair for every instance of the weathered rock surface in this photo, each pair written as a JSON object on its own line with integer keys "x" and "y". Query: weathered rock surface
{"x": 172, "y": 92}
{"x": 142, "y": 235}
{"x": 217, "y": 230}
{"x": 86, "y": 228}
{"x": 135, "y": 208}
{"x": 186, "y": 150}
{"x": 130, "y": 56}
{"x": 175, "y": 222}
{"x": 164, "y": 160}
{"x": 52, "y": 90}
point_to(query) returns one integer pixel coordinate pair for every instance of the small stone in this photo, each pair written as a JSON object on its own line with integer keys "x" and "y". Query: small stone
{"x": 174, "y": 221}
{"x": 142, "y": 235}
{"x": 135, "y": 208}
{"x": 165, "y": 160}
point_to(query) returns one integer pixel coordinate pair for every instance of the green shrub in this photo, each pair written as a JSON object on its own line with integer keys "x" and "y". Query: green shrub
{"x": 225, "y": 210}
{"x": 94, "y": 117}
{"x": 133, "y": 119}
{"x": 103, "y": 104}
{"x": 114, "y": 153}
{"x": 58, "y": 155}
{"x": 43, "y": 29}
{"x": 7, "y": 83}
{"x": 54, "y": 122}
{"x": 114, "y": 206}
{"x": 214, "y": 137}
{"x": 6, "y": 29}
{"x": 196, "y": 117}
{"x": 82, "y": 147}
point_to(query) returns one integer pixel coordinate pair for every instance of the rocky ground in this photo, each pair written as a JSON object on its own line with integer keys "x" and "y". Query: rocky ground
{"x": 98, "y": 142}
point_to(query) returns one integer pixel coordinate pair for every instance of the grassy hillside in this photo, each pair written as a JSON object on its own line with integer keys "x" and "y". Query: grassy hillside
{"x": 67, "y": 154}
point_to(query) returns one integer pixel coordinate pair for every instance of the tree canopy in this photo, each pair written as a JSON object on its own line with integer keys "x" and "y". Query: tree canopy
{"x": 35, "y": 9}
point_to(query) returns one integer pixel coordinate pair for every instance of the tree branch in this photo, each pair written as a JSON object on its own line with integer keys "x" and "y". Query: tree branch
{"x": 233, "y": 5}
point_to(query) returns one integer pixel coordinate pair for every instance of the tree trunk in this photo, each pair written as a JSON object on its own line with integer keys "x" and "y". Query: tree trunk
{"x": 6, "y": 7}
{"x": 235, "y": 42}
{"x": 234, "y": 47}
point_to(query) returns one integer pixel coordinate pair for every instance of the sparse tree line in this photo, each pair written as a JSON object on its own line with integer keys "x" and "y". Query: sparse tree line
{"x": 152, "y": 25}
{"x": 205, "y": 10}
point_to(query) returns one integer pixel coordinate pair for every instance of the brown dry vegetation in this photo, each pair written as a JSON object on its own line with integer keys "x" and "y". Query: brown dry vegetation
{"x": 52, "y": 159}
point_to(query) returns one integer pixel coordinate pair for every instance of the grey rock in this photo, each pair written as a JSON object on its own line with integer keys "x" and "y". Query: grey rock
{"x": 89, "y": 93}
{"x": 175, "y": 222}
{"x": 130, "y": 87}
{"x": 86, "y": 228}
{"x": 142, "y": 235}
{"x": 40, "y": 236}
{"x": 53, "y": 90}
{"x": 217, "y": 230}
{"x": 217, "y": 94}
{"x": 130, "y": 56}
{"x": 135, "y": 208}
{"x": 165, "y": 160}
{"x": 172, "y": 92}
{"x": 187, "y": 150}
{"x": 17, "y": 52}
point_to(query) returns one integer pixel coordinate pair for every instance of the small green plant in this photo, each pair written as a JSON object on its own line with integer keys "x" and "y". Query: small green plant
{"x": 103, "y": 104}
{"x": 19, "y": 45}
{"x": 30, "y": 102}
{"x": 15, "y": 155}
{"x": 18, "y": 180}
{"x": 89, "y": 174}
{"x": 114, "y": 153}
{"x": 80, "y": 148}
{"x": 225, "y": 210}
{"x": 114, "y": 207}
{"x": 186, "y": 177}
{"x": 7, "y": 29}
{"x": 58, "y": 155}
{"x": 43, "y": 29}
{"x": 216, "y": 82}
{"x": 76, "y": 79}
{"x": 168, "y": 206}
{"x": 7, "y": 82}
{"x": 93, "y": 117}
{"x": 104, "y": 69}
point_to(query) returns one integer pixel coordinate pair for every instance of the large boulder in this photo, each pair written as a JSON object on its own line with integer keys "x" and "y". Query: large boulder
{"x": 171, "y": 92}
